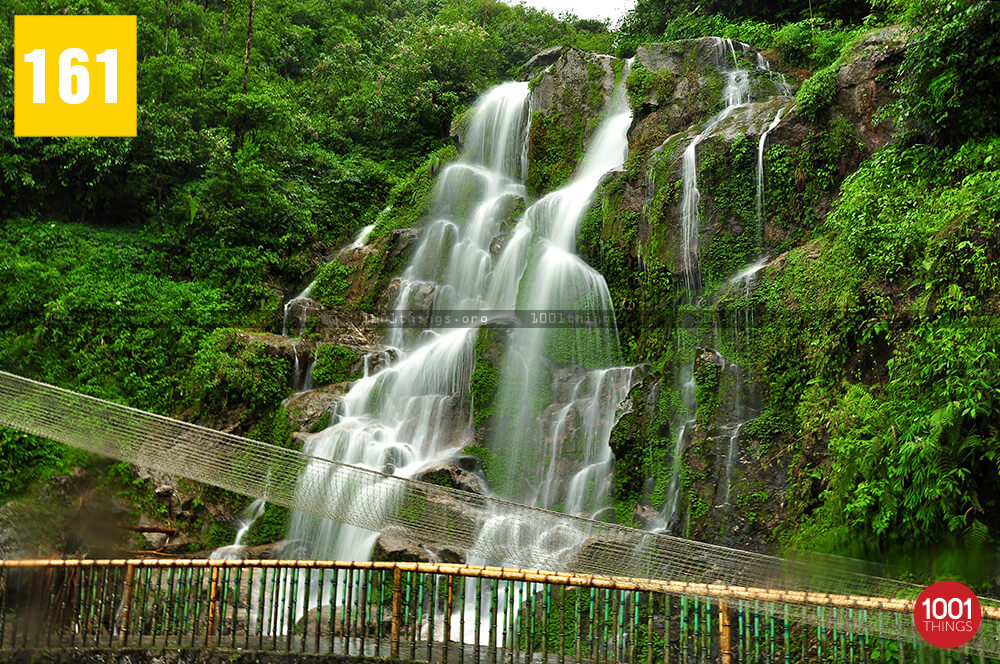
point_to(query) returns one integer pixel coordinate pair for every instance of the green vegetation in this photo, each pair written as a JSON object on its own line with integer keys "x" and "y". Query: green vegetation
{"x": 895, "y": 375}
{"x": 333, "y": 364}
{"x": 128, "y": 263}
{"x": 817, "y": 92}
{"x": 485, "y": 380}
{"x": 330, "y": 285}
{"x": 641, "y": 82}
{"x": 231, "y": 371}
{"x": 148, "y": 270}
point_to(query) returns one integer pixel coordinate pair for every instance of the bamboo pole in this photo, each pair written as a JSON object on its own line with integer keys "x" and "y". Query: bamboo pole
{"x": 213, "y": 591}
{"x": 725, "y": 634}
{"x": 127, "y": 602}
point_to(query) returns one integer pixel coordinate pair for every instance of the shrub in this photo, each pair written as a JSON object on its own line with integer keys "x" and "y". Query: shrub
{"x": 333, "y": 365}
{"x": 817, "y": 92}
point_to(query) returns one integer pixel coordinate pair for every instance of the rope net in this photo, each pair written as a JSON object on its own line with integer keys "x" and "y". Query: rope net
{"x": 484, "y": 528}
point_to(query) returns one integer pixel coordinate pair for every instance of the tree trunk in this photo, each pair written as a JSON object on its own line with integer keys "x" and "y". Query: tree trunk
{"x": 246, "y": 57}
{"x": 225, "y": 19}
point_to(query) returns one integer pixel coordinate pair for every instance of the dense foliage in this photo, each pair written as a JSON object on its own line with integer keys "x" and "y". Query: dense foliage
{"x": 127, "y": 263}
{"x": 131, "y": 266}
{"x": 238, "y": 179}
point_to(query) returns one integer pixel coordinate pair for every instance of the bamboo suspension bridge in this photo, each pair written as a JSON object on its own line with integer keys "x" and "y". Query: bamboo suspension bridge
{"x": 614, "y": 594}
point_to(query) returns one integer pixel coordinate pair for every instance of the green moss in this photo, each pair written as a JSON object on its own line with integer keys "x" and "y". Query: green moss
{"x": 816, "y": 93}
{"x": 707, "y": 378}
{"x": 618, "y": 67}
{"x": 331, "y": 284}
{"x": 800, "y": 180}
{"x": 322, "y": 423}
{"x": 595, "y": 87}
{"x": 492, "y": 465}
{"x": 556, "y": 149}
{"x": 270, "y": 527}
{"x": 411, "y": 198}
{"x": 485, "y": 380}
{"x": 642, "y": 82}
{"x": 275, "y": 428}
{"x": 333, "y": 364}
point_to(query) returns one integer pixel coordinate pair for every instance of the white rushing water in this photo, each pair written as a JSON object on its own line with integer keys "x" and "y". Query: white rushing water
{"x": 736, "y": 93}
{"x": 414, "y": 412}
{"x": 247, "y": 518}
{"x": 760, "y": 176}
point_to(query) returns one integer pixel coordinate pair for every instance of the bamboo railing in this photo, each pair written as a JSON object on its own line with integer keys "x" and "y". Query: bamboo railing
{"x": 440, "y": 612}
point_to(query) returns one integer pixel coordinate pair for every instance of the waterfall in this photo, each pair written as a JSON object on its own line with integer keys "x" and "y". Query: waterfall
{"x": 414, "y": 412}
{"x": 736, "y": 93}
{"x": 247, "y": 518}
{"x": 547, "y": 275}
{"x": 408, "y": 414}
{"x": 760, "y": 176}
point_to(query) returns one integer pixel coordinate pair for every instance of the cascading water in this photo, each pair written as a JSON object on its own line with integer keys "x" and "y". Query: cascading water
{"x": 411, "y": 414}
{"x": 760, "y": 176}
{"x": 247, "y": 518}
{"x": 737, "y": 93}
{"x": 415, "y": 412}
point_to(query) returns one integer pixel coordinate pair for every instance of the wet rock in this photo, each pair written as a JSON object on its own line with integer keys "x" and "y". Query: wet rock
{"x": 397, "y": 545}
{"x": 276, "y": 345}
{"x": 566, "y": 101}
{"x": 343, "y": 326}
{"x": 647, "y": 517}
{"x": 306, "y": 410}
{"x": 453, "y": 476}
{"x": 541, "y": 60}
{"x": 574, "y": 71}
{"x": 863, "y": 84}
{"x": 280, "y": 550}
{"x": 470, "y": 464}
{"x": 685, "y": 82}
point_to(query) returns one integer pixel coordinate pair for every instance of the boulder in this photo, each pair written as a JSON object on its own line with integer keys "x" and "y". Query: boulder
{"x": 306, "y": 409}
{"x": 566, "y": 101}
{"x": 397, "y": 545}
{"x": 863, "y": 84}
{"x": 453, "y": 476}
{"x": 541, "y": 60}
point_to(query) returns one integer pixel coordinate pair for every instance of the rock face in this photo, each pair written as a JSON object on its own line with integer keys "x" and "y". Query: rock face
{"x": 863, "y": 84}
{"x": 373, "y": 265}
{"x": 566, "y": 100}
{"x": 397, "y": 545}
{"x": 731, "y": 474}
{"x": 454, "y": 476}
{"x": 307, "y": 410}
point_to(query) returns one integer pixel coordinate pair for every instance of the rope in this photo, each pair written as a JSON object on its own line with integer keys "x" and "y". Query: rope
{"x": 436, "y": 516}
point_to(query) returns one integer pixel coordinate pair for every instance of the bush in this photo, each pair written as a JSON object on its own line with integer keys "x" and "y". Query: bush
{"x": 816, "y": 93}
{"x": 331, "y": 284}
{"x": 950, "y": 80}
{"x": 233, "y": 371}
{"x": 23, "y": 458}
{"x": 333, "y": 365}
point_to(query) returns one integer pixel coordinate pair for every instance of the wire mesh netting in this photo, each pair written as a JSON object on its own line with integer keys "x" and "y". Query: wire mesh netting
{"x": 482, "y": 527}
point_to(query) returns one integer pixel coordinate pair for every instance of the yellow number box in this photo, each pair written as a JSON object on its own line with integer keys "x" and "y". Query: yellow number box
{"x": 74, "y": 76}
